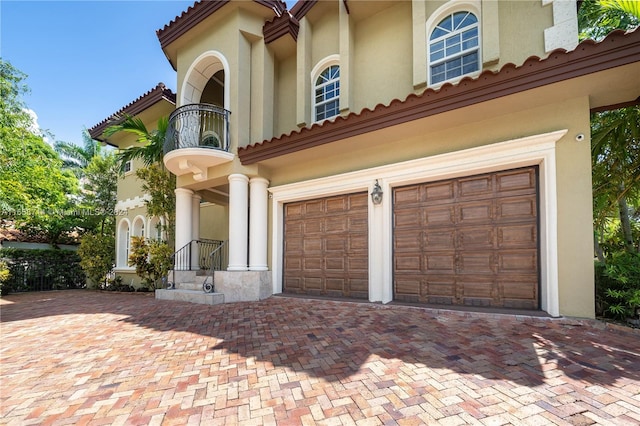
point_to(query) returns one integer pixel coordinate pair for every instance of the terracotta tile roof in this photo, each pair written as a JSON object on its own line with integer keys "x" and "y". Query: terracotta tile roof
{"x": 150, "y": 98}
{"x": 618, "y": 48}
{"x": 280, "y": 26}
{"x": 199, "y": 12}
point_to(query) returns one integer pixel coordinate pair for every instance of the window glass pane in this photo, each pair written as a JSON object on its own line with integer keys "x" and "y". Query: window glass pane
{"x": 453, "y": 45}
{"x": 458, "y": 18}
{"x": 470, "y": 63}
{"x": 469, "y": 19}
{"x": 437, "y": 33}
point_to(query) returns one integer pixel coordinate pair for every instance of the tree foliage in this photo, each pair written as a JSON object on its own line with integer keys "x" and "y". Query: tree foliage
{"x": 597, "y": 18}
{"x": 77, "y": 158}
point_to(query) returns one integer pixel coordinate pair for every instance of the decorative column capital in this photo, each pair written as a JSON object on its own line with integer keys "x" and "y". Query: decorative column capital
{"x": 184, "y": 191}
{"x": 237, "y": 177}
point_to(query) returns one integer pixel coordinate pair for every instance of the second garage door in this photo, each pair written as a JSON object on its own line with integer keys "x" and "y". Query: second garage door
{"x": 468, "y": 241}
{"x": 326, "y": 247}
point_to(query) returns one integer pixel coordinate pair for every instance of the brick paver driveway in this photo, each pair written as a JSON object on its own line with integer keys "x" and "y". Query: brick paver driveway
{"x": 80, "y": 357}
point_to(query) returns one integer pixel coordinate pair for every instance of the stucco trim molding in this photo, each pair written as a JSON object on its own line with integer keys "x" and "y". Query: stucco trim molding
{"x": 527, "y": 151}
{"x": 134, "y": 203}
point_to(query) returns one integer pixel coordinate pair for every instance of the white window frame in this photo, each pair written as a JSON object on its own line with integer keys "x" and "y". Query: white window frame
{"x": 444, "y": 11}
{"x": 321, "y": 66}
{"x": 123, "y": 246}
{"x": 128, "y": 167}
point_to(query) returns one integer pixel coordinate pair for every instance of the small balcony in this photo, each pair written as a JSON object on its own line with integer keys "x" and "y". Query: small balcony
{"x": 197, "y": 138}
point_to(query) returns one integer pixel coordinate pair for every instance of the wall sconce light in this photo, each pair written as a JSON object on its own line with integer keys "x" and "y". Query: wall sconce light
{"x": 376, "y": 194}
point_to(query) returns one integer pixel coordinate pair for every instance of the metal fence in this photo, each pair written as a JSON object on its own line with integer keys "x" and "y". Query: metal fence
{"x": 41, "y": 275}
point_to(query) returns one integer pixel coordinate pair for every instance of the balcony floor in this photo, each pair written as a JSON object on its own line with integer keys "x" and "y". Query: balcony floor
{"x": 195, "y": 160}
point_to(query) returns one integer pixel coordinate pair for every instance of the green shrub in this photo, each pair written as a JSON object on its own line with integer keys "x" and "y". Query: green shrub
{"x": 97, "y": 257}
{"x": 618, "y": 285}
{"x": 152, "y": 260}
{"x": 5, "y": 274}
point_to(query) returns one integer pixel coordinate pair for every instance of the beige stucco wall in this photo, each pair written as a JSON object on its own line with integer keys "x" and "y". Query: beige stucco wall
{"x": 214, "y": 222}
{"x": 382, "y": 66}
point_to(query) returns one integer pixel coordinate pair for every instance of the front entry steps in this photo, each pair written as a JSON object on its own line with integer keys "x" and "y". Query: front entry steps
{"x": 230, "y": 287}
{"x": 188, "y": 288}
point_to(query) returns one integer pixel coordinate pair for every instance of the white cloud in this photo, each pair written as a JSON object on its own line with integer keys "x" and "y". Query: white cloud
{"x": 34, "y": 127}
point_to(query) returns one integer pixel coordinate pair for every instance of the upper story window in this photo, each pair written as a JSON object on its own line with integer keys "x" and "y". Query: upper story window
{"x": 128, "y": 166}
{"x": 327, "y": 93}
{"x": 454, "y": 47}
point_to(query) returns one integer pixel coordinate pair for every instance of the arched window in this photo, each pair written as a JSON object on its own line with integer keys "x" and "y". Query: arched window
{"x": 454, "y": 47}
{"x": 124, "y": 244}
{"x": 138, "y": 227}
{"x": 326, "y": 89}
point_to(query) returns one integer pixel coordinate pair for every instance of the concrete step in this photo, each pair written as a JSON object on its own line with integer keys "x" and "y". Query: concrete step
{"x": 192, "y": 296}
{"x": 197, "y": 285}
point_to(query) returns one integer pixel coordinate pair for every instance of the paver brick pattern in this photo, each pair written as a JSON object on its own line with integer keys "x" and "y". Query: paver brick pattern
{"x": 88, "y": 358}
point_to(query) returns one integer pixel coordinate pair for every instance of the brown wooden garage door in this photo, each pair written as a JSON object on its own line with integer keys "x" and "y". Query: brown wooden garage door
{"x": 326, "y": 247}
{"x": 468, "y": 241}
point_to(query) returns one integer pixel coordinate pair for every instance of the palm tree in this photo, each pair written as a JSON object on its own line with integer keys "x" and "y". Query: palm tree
{"x": 150, "y": 150}
{"x": 76, "y": 158}
{"x": 597, "y": 18}
{"x": 615, "y": 152}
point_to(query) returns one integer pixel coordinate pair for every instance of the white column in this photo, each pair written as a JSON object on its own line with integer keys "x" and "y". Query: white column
{"x": 258, "y": 224}
{"x": 195, "y": 230}
{"x": 238, "y": 222}
{"x": 184, "y": 206}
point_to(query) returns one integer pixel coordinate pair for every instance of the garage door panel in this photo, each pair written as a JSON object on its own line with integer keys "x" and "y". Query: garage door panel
{"x": 516, "y": 208}
{"x": 439, "y": 216}
{"x": 475, "y": 238}
{"x": 517, "y": 236}
{"x": 518, "y": 287}
{"x": 358, "y": 264}
{"x": 438, "y": 192}
{"x": 440, "y": 263}
{"x": 475, "y": 187}
{"x": 312, "y": 245}
{"x": 334, "y": 264}
{"x": 311, "y": 227}
{"x": 473, "y": 213}
{"x": 310, "y": 263}
{"x": 326, "y": 246}
{"x": 518, "y": 261}
{"x": 407, "y": 219}
{"x": 408, "y": 241}
{"x": 293, "y": 211}
{"x": 408, "y": 263}
{"x": 407, "y": 196}
{"x": 336, "y": 205}
{"x": 358, "y": 244}
{"x": 476, "y": 263}
{"x": 517, "y": 180}
{"x": 358, "y": 224}
{"x": 477, "y": 244}
{"x": 437, "y": 240}
{"x": 476, "y": 287}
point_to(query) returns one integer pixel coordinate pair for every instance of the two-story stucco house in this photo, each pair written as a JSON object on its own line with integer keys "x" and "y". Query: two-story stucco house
{"x": 435, "y": 152}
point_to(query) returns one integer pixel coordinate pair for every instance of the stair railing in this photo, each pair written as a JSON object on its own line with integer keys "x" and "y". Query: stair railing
{"x": 216, "y": 261}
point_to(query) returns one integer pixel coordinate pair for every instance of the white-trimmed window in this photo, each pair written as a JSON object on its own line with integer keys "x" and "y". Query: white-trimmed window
{"x": 128, "y": 167}
{"x": 124, "y": 244}
{"x": 454, "y": 47}
{"x": 326, "y": 93}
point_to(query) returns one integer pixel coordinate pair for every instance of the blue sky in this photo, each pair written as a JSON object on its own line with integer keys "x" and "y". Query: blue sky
{"x": 86, "y": 59}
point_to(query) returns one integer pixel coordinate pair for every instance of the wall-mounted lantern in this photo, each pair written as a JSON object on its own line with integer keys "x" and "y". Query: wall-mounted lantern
{"x": 376, "y": 194}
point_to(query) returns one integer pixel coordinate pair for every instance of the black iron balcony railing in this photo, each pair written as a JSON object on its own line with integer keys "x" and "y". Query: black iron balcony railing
{"x": 198, "y": 126}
